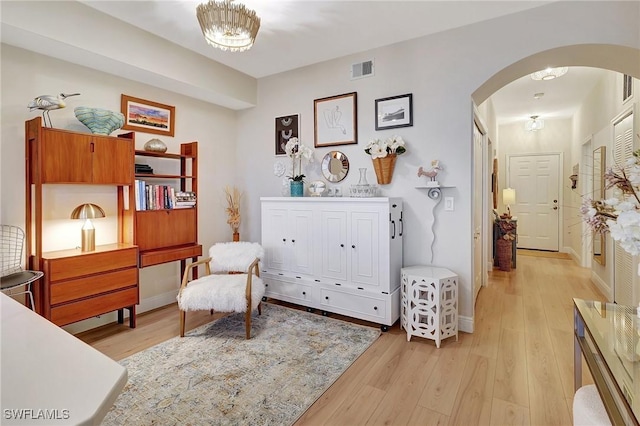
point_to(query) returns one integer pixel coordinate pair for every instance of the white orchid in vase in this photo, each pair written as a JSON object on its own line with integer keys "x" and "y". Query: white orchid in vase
{"x": 620, "y": 215}
{"x": 298, "y": 151}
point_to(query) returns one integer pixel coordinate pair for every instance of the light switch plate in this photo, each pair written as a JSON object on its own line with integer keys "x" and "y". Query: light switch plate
{"x": 448, "y": 204}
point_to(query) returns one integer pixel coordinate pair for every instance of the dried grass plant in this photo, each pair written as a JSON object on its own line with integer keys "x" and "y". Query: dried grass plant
{"x": 233, "y": 195}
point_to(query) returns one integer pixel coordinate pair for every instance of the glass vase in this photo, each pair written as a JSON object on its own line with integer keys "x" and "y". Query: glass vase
{"x": 363, "y": 176}
{"x": 297, "y": 188}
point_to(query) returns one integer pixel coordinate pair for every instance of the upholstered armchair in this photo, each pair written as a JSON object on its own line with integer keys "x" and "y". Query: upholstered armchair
{"x": 231, "y": 283}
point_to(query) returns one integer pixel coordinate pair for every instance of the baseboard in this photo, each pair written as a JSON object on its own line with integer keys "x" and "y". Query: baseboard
{"x": 465, "y": 324}
{"x": 145, "y": 305}
{"x": 602, "y": 286}
{"x": 574, "y": 256}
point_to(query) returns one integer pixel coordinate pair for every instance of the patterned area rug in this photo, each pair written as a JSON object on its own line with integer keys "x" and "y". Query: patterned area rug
{"x": 214, "y": 376}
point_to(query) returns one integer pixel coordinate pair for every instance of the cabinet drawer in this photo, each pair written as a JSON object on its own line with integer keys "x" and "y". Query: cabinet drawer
{"x": 91, "y": 263}
{"x": 277, "y": 288}
{"x": 156, "y": 257}
{"x": 87, "y": 308}
{"x": 358, "y": 303}
{"x": 64, "y": 291}
{"x": 165, "y": 228}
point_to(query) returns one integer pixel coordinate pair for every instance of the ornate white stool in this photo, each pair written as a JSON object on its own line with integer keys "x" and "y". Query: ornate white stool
{"x": 429, "y": 303}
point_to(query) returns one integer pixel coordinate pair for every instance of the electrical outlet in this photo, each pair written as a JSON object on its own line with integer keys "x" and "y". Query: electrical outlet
{"x": 448, "y": 204}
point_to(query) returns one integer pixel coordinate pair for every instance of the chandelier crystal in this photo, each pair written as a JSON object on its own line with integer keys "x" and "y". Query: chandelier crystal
{"x": 549, "y": 73}
{"x": 228, "y": 26}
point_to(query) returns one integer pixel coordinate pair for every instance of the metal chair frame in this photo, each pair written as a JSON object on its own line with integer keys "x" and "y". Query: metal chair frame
{"x": 14, "y": 279}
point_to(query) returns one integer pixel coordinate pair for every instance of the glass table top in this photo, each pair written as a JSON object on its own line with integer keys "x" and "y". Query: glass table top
{"x": 615, "y": 330}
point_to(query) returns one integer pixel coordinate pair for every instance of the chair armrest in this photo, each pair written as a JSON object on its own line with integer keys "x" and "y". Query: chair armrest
{"x": 254, "y": 265}
{"x": 185, "y": 277}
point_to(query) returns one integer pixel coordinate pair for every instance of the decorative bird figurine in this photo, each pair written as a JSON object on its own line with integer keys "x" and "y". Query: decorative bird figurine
{"x": 433, "y": 172}
{"x": 48, "y": 102}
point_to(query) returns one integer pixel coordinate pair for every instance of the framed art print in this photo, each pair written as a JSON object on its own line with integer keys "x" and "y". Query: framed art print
{"x": 335, "y": 120}
{"x": 393, "y": 112}
{"x": 287, "y": 127}
{"x": 141, "y": 115}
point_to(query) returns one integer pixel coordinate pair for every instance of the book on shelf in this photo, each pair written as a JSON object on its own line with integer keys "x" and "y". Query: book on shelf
{"x": 161, "y": 197}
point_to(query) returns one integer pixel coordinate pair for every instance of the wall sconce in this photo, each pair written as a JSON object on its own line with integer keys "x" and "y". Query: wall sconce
{"x": 508, "y": 198}
{"x": 574, "y": 181}
{"x": 88, "y": 211}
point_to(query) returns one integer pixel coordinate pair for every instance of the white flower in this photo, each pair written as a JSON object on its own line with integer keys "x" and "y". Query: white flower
{"x": 378, "y": 151}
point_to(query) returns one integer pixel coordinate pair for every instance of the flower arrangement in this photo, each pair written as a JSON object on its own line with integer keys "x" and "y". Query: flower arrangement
{"x": 380, "y": 149}
{"x": 297, "y": 151}
{"x": 233, "y": 207}
{"x": 620, "y": 215}
{"x": 507, "y": 229}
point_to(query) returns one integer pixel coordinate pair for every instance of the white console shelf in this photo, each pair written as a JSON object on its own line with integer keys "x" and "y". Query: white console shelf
{"x": 340, "y": 255}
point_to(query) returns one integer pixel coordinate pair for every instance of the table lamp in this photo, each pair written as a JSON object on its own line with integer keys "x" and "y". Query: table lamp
{"x": 508, "y": 198}
{"x": 88, "y": 211}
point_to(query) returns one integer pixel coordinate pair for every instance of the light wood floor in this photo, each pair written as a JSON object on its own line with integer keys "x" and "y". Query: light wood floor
{"x": 515, "y": 369}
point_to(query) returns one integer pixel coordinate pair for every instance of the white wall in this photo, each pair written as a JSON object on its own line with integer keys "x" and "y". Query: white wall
{"x": 26, "y": 75}
{"x": 442, "y": 71}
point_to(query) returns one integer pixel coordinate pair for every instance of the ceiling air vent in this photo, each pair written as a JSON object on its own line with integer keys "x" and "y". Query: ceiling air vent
{"x": 361, "y": 70}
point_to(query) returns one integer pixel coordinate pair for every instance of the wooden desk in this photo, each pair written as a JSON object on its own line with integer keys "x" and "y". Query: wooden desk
{"x": 46, "y": 368}
{"x": 607, "y": 335}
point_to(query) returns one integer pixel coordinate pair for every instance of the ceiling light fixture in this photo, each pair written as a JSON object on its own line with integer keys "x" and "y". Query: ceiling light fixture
{"x": 228, "y": 26}
{"x": 549, "y": 73}
{"x": 534, "y": 124}
{"x": 538, "y": 95}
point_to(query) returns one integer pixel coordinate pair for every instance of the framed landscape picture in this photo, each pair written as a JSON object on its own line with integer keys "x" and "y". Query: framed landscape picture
{"x": 335, "y": 120}
{"x": 396, "y": 111}
{"x": 287, "y": 127}
{"x": 146, "y": 116}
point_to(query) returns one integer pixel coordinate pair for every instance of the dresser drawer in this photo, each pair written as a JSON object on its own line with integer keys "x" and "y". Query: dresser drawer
{"x": 89, "y": 263}
{"x": 64, "y": 291}
{"x": 364, "y": 306}
{"x": 87, "y": 308}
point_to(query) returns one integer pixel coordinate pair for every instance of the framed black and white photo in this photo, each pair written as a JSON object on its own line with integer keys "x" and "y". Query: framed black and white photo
{"x": 335, "y": 120}
{"x": 287, "y": 127}
{"x": 396, "y": 111}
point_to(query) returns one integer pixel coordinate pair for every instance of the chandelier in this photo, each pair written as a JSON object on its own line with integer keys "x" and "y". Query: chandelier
{"x": 534, "y": 124}
{"x": 228, "y": 26}
{"x": 549, "y": 73}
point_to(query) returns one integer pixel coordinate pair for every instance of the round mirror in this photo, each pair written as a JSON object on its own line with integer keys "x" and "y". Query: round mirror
{"x": 335, "y": 166}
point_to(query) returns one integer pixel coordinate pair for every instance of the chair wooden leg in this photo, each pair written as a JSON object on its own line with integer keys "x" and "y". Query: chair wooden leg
{"x": 247, "y": 323}
{"x": 183, "y": 317}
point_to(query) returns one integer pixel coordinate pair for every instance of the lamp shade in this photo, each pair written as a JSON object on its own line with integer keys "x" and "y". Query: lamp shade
{"x": 509, "y": 196}
{"x": 87, "y": 211}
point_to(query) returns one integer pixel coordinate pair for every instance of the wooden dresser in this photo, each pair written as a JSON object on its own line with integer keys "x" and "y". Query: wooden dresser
{"x": 81, "y": 285}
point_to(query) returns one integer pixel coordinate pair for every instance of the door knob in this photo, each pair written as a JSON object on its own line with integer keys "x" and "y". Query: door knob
{"x": 555, "y": 207}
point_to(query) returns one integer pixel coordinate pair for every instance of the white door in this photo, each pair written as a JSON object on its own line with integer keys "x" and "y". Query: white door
{"x": 334, "y": 244}
{"x": 301, "y": 246}
{"x": 364, "y": 248}
{"x": 478, "y": 193}
{"x": 537, "y": 208}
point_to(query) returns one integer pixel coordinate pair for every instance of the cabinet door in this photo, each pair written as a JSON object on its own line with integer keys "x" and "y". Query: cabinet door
{"x": 334, "y": 244}
{"x": 275, "y": 238}
{"x": 157, "y": 229}
{"x": 112, "y": 160}
{"x": 301, "y": 249}
{"x": 365, "y": 247}
{"x": 65, "y": 157}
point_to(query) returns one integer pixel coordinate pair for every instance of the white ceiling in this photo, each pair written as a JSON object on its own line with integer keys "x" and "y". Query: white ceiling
{"x": 294, "y": 34}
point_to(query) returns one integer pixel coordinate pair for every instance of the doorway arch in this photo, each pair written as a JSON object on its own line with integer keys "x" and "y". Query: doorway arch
{"x": 622, "y": 59}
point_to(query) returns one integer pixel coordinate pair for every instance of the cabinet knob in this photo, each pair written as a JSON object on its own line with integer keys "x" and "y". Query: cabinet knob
{"x": 341, "y": 245}
{"x": 375, "y": 308}
{"x": 293, "y": 241}
{"x": 284, "y": 240}
{"x": 304, "y": 293}
{"x": 353, "y": 246}
{"x": 326, "y": 297}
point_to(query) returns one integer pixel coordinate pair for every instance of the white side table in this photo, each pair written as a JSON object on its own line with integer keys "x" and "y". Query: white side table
{"x": 429, "y": 303}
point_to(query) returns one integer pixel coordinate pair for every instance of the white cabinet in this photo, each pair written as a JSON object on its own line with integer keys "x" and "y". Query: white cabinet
{"x": 340, "y": 255}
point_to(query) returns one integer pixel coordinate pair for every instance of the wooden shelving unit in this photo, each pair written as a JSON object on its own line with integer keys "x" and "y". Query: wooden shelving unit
{"x": 168, "y": 235}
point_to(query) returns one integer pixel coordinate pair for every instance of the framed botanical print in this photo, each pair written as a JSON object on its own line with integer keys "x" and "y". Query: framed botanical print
{"x": 335, "y": 120}
{"x": 287, "y": 127}
{"x": 393, "y": 112}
